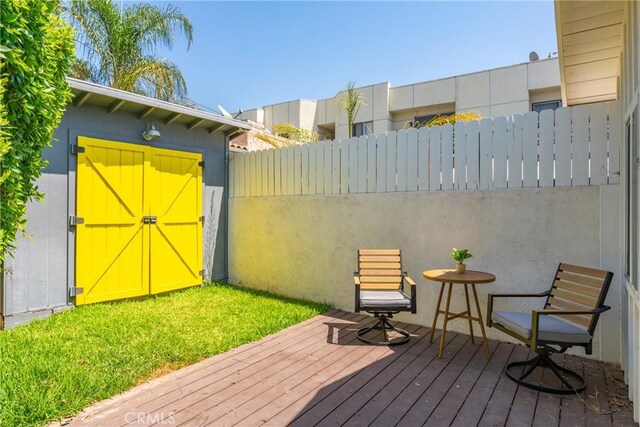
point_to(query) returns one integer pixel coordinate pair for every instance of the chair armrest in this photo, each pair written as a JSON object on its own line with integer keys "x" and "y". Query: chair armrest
{"x": 535, "y": 316}
{"x": 492, "y": 296}
{"x": 572, "y": 312}
{"x": 542, "y": 294}
{"x": 356, "y": 280}
{"x": 410, "y": 282}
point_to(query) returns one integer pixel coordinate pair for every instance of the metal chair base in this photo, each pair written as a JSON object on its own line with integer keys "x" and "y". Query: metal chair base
{"x": 384, "y": 325}
{"x": 572, "y": 381}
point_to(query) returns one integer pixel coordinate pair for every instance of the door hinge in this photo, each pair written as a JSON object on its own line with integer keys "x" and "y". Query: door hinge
{"x": 75, "y": 220}
{"x": 75, "y": 149}
{"x": 75, "y": 291}
{"x": 201, "y": 164}
{"x": 201, "y": 219}
{"x": 201, "y": 273}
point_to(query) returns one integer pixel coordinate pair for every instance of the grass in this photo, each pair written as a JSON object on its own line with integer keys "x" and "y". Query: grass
{"x": 54, "y": 367}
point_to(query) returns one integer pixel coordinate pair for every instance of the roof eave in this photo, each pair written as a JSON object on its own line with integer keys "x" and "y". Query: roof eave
{"x": 121, "y": 98}
{"x": 590, "y": 42}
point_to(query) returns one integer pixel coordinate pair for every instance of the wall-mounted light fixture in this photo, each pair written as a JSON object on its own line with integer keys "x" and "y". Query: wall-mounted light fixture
{"x": 150, "y": 133}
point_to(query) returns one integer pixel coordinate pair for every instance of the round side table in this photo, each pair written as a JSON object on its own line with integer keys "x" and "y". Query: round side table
{"x": 469, "y": 278}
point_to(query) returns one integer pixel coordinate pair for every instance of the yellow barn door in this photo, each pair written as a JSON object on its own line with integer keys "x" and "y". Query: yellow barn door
{"x": 112, "y": 245}
{"x": 176, "y": 206}
{"x": 139, "y": 231}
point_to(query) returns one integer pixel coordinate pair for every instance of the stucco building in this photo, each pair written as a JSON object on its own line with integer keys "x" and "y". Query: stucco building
{"x": 501, "y": 91}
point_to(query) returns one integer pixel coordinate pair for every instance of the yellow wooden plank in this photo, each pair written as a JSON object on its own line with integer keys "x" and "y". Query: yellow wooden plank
{"x": 380, "y": 279}
{"x": 380, "y": 272}
{"x": 379, "y": 252}
{"x": 380, "y": 265}
{"x": 379, "y": 258}
{"x": 380, "y": 286}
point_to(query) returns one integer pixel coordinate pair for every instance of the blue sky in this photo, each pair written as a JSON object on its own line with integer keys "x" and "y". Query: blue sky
{"x": 250, "y": 54}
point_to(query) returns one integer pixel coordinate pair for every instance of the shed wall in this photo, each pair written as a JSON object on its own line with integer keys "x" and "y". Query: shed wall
{"x": 37, "y": 278}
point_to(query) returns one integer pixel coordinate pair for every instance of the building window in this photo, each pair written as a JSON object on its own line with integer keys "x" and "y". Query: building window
{"x": 362, "y": 128}
{"x": 423, "y": 120}
{"x": 546, "y": 105}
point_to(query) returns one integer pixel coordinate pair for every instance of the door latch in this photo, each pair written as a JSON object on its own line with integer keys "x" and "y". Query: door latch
{"x": 149, "y": 219}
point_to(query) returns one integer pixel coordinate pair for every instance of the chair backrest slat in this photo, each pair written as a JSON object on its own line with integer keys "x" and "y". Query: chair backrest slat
{"x": 380, "y": 269}
{"x": 579, "y": 288}
{"x": 381, "y": 265}
{"x": 581, "y": 280}
{"x": 378, "y": 272}
{"x": 379, "y": 252}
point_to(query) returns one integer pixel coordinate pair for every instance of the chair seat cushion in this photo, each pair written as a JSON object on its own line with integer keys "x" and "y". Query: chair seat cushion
{"x": 384, "y": 299}
{"x": 549, "y": 328}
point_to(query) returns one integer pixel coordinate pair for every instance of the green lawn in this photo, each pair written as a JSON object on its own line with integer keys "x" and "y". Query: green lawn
{"x": 54, "y": 367}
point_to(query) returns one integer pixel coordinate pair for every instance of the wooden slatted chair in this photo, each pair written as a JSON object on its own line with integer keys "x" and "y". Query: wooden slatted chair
{"x": 379, "y": 286}
{"x": 569, "y": 317}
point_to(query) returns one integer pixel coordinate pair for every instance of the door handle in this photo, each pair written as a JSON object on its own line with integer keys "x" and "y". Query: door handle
{"x": 149, "y": 219}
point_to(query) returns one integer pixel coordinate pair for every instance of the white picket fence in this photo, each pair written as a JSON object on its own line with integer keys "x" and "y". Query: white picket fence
{"x": 569, "y": 147}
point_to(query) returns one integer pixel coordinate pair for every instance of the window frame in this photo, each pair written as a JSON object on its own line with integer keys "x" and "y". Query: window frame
{"x": 557, "y": 102}
{"x": 362, "y": 126}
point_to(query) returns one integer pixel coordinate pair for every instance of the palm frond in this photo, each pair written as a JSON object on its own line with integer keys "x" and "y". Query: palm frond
{"x": 119, "y": 49}
{"x": 159, "y": 78}
{"x": 155, "y": 26}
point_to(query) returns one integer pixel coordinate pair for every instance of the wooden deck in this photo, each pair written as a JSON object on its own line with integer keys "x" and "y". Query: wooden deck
{"x": 318, "y": 373}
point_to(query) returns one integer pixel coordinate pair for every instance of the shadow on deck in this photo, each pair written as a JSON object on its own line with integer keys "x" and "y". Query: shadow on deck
{"x": 318, "y": 373}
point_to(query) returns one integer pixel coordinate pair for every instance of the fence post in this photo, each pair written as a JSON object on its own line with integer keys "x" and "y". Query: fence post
{"x": 486, "y": 154}
{"x": 391, "y": 160}
{"x": 500, "y": 134}
{"x": 473, "y": 155}
{"x": 563, "y": 147}
{"x": 545, "y": 166}
{"x": 530, "y": 150}
{"x": 460, "y": 155}
{"x": 580, "y": 144}
{"x": 598, "y": 144}
{"x": 615, "y": 140}
{"x": 434, "y": 158}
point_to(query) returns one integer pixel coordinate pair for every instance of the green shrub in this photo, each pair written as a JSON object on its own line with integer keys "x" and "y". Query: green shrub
{"x": 36, "y": 50}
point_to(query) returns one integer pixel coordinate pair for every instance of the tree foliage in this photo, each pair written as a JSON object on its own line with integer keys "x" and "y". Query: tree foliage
{"x": 289, "y": 131}
{"x": 451, "y": 119}
{"x": 119, "y": 47}
{"x": 285, "y": 134}
{"x": 36, "y": 50}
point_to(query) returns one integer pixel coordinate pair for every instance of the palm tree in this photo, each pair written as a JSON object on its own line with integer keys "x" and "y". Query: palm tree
{"x": 350, "y": 100}
{"x": 119, "y": 46}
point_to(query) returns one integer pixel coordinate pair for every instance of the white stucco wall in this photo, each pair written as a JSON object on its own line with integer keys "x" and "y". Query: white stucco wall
{"x": 305, "y": 246}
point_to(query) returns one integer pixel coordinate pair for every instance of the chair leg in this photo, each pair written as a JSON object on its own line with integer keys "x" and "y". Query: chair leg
{"x": 384, "y": 325}
{"x": 572, "y": 381}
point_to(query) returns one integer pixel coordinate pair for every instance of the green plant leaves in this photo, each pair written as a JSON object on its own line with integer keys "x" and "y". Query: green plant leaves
{"x": 36, "y": 50}
{"x": 459, "y": 255}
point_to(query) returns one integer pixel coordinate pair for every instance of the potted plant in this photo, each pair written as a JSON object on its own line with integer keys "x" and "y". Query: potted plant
{"x": 459, "y": 255}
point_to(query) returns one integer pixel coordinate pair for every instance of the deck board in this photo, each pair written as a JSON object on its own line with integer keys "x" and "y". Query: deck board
{"x": 318, "y": 373}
